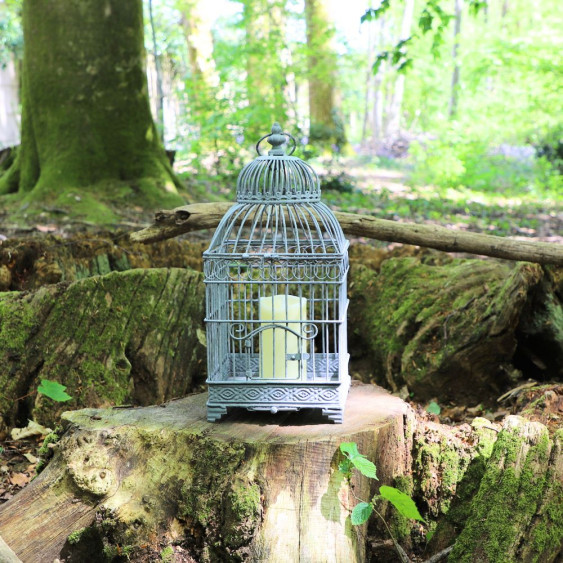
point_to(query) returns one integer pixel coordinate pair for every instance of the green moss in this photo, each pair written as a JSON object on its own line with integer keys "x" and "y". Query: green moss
{"x": 547, "y": 533}
{"x": 400, "y": 525}
{"x": 214, "y": 464}
{"x": 505, "y": 502}
{"x": 221, "y": 499}
{"x": 88, "y": 350}
{"x": 76, "y": 536}
{"x": 242, "y": 513}
{"x": 85, "y": 109}
{"x": 167, "y": 554}
{"x": 405, "y": 317}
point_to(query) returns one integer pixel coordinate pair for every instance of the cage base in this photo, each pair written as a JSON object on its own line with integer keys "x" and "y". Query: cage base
{"x": 330, "y": 398}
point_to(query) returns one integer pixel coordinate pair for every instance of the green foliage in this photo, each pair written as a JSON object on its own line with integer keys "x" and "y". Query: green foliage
{"x": 401, "y": 501}
{"x": 454, "y": 163}
{"x": 11, "y": 36}
{"x": 433, "y": 408}
{"x": 337, "y": 181}
{"x": 361, "y": 513}
{"x": 167, "y": 554}
{"x": 53, "y": 390}
{"x": 357, "y": 460}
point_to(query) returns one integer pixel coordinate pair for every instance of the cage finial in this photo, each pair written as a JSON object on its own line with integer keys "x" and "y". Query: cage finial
{"x": 277, "y": 140}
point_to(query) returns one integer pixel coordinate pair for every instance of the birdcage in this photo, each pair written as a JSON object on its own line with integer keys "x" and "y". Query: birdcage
{"x": 275, "y": 275}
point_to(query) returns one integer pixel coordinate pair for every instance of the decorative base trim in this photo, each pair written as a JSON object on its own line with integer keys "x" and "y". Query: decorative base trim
{"x": 330, "y": 398}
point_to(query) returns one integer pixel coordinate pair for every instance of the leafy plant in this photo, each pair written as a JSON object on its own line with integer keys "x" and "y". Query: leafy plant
{"x": 363, "y": 510}
{"x": 339, "y": 182}
{"x": 54, "y": 391}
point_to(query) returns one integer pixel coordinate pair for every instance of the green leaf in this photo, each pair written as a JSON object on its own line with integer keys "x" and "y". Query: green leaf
{"x": 364, "y": 466}
{"x": 54, "y": 391}
{"x": 433, "y": 408}
{"x": 362, "y": 511}
{"x": 401, "y": 501}
{"x": 349, "y": 449}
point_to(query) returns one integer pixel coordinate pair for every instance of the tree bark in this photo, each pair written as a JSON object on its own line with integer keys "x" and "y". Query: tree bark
{"x": 86, "y": 118}
{"x": 256, "y": 487}
{"x": 461, "y": 331}
{"x": 198, "y": 216}
{"x": 516, "y": 513}
{"x": 158, "y": 72}
{"x": 126, "y": 337}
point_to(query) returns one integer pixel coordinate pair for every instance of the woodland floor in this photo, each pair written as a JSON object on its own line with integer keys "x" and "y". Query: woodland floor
{"x": 380, "y": 192}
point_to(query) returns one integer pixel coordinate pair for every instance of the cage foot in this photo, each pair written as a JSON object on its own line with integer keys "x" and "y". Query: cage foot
{"x": 334, "y": 415}
{"x": 214, "y": 413}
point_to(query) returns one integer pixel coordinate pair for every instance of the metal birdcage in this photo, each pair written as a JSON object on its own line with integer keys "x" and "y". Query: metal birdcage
{"x": 275, "y": 275}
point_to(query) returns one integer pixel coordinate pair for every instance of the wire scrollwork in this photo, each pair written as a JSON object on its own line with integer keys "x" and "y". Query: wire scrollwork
{"x": 237, "y": 331}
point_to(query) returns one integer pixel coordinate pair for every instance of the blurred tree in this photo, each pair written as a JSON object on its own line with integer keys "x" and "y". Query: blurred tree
{"x": 266, "y": 73}
{"x": 85, "y": 118}
{"x": 393, "y": 124}
{"x": 458, "y": 4}
{"x": 326, "y": 124}
{"x": 199, "y": 41}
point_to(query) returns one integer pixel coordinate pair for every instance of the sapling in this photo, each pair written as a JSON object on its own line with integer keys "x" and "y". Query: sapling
{"x": 363, "y": 510}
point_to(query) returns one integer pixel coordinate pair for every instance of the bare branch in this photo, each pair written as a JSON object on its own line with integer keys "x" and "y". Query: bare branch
{"x": 197, "y": 216}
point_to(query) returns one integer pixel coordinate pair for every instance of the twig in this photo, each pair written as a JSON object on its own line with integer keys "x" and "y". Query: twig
{"x": 440, "y": 555}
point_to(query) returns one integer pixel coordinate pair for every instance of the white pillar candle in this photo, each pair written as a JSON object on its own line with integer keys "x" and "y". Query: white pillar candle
{"x": 275, "y": 344}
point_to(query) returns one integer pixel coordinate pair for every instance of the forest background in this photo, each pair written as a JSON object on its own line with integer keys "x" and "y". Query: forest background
{"x": 430, "y": 111}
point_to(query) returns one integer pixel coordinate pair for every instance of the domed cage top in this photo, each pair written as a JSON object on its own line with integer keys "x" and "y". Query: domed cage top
{"x": 276, "y": 305}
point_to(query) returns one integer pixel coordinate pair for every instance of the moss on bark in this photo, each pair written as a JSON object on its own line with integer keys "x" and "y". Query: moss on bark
{"x": 446, "y": 331}
{"x": 123, "y": 337}
{"x": 88, "y": 138}
{"x": 520, "y": 487}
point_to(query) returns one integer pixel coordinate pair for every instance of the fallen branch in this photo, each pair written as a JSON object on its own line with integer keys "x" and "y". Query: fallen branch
{"x": 169, "y": 224}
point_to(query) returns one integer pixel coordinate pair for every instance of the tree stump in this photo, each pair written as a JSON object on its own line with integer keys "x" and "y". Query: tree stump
{"x": 255, "y": 487}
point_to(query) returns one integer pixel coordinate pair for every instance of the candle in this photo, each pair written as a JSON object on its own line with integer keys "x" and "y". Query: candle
{"x": 275, "y": 344}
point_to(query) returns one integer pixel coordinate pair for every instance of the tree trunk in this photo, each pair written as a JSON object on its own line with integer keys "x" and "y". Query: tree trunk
{"x": 393, "y": 125}
{"x": 189, "y": 218}
{"x": 454, "y": 93}
{"x": 325, "y": 125}
{"x": 126, "y": 337}
{"x": 457, "y": 330}
{"x": 256, "y": 487}
{"x": 199, "y": 41}
{"x": 158, "y": 77}
{"x": 86, "y": 118}
{"x": 516, "y": 514}
{"x": 9, "y": 102}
